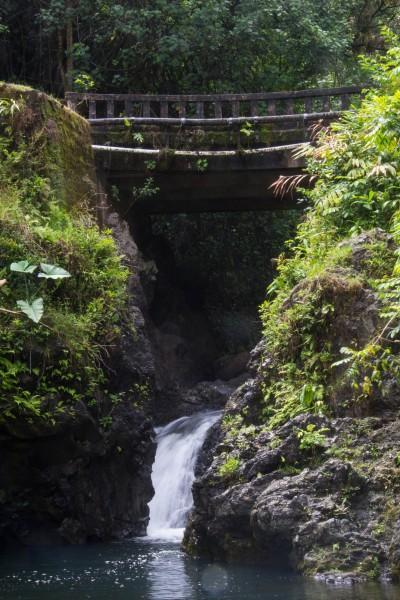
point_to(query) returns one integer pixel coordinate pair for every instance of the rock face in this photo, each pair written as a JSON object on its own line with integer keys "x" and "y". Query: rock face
{"x": 78, "y": 480}
{"x": 82, "y": 470}
{"x": 329, "y": 509}
{"x": 320, "y": 492}
{"x": 88, "y": 476}
{"x": 133, "y": 360}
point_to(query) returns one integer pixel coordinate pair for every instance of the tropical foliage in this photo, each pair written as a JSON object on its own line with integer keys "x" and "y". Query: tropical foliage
{"x": 59, "y": 270}
{"x": 356, "y": 164}
{"x": 187, "y": 45}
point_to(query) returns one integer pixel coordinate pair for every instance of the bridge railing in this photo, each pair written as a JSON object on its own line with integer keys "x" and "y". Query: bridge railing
{"x": 215, "y": 106}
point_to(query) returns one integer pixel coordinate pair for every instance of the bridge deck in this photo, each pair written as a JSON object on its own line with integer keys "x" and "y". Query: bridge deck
{"x": 205, "y": 152}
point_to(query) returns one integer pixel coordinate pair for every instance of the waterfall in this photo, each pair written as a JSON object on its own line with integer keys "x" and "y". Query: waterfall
{"x": 178, "y": 446}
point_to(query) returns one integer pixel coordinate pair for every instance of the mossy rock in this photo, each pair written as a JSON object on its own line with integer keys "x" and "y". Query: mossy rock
{"x": 61, "y": 139}
{"x": 47, "y": 185}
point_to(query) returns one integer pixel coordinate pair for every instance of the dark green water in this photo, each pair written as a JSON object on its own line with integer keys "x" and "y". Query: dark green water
{"x": 147, "y": 570}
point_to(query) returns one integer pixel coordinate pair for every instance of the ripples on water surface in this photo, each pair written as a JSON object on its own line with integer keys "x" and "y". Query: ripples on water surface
{"x": 147, "y": 570}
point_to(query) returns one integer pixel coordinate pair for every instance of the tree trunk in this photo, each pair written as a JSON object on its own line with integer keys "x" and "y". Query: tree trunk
{"x": 70, "y": 43}
{"x": 60, "y": 59}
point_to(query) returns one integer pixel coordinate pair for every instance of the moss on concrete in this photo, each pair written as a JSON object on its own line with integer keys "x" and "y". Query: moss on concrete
{"x": 192, "y": 137}
{"x": 61, "y": 140}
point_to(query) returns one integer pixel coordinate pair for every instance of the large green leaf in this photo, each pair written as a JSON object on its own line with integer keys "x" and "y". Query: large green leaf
{"x": 33, "y": 310}
{"x": 22, "y": 267}
{"x": 53, "y": 272}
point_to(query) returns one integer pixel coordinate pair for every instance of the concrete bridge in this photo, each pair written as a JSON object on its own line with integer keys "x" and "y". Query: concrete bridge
{"x": 205, "y": 153}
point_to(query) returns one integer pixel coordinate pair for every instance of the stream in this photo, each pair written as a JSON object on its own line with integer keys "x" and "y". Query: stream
{"x": 154, "y": 567}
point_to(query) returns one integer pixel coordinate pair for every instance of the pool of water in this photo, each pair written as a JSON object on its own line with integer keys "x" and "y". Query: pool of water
{"x": 149, "y": 570}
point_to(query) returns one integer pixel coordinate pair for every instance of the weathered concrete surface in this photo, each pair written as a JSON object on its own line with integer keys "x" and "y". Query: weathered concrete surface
{"x": 200, "y": 181}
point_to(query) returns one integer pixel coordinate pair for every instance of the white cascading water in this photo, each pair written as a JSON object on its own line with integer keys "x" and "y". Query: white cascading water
{"x": 178, "y": 446}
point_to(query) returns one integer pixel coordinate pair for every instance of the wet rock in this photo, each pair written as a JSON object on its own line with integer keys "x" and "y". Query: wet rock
{"x": 394, "y": 551}
{"x": 78, "y": 481}
{"x": 231, "y": 366}
{"x": 256, "y": 357}
{"x": 340, "y": 579}
{"x": 133, "y": 359}
{"x": 208, "y": 394}
{"x": 331, "y": 511}
{"x": 248, "y": 396}
{"x": 72, "y": 531}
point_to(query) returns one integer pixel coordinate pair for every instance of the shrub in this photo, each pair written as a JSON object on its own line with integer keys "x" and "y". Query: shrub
{"x": 48, "y": 366}
{"x": 356, "y": 166}
{"x": 229, "y": 468}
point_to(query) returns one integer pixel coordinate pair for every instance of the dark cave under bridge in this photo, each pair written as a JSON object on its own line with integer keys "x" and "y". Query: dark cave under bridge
{"x": 205, "y": 153}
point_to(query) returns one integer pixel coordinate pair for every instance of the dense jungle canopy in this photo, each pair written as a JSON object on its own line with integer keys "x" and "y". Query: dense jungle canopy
{"x": 188, "y": 45}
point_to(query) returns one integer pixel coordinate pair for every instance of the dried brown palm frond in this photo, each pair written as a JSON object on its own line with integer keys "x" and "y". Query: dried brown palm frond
{"x": 316, "y": 129}
{"x": 303, "y": 151}
{"x": 287, "y": 184}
